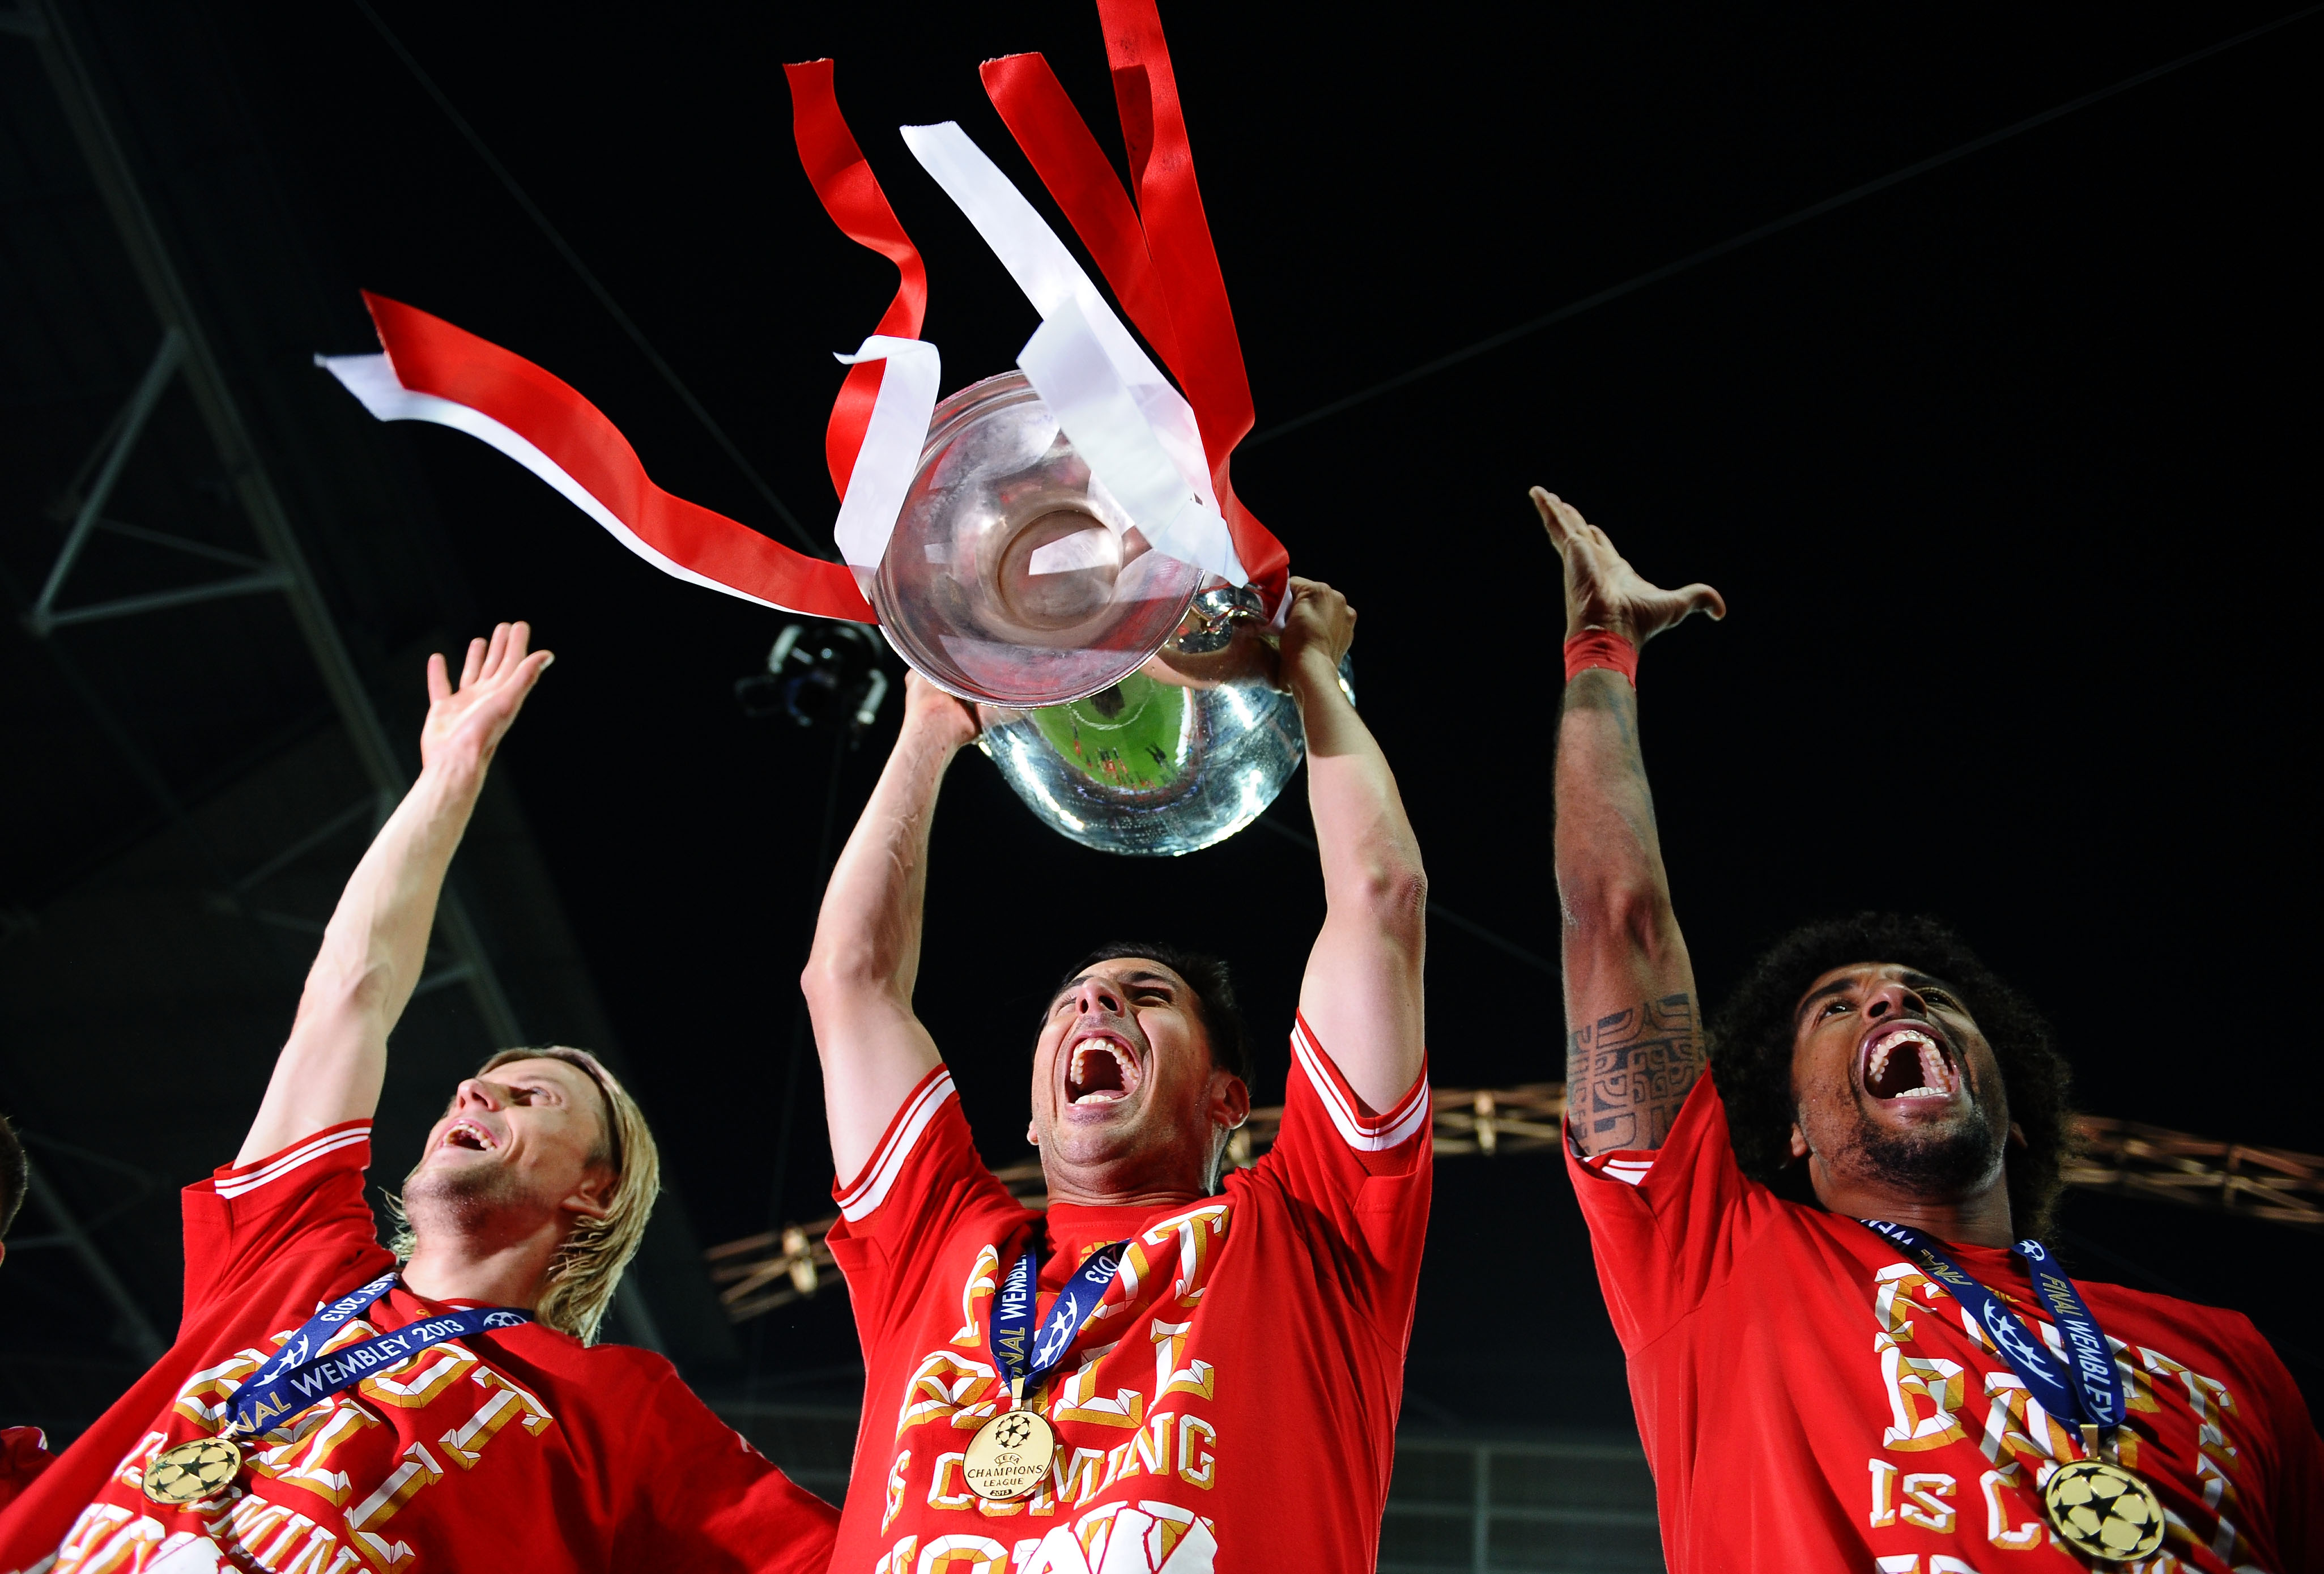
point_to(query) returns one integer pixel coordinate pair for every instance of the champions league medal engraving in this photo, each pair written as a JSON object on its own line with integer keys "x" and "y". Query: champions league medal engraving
{"x": 193, "y": 1473}
{"x": 1011, "y": 1454}
{"x": 2100, "y": 1509}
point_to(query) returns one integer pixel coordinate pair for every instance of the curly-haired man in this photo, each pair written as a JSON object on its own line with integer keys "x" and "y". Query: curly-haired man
{"x": 1847, "y": 1347}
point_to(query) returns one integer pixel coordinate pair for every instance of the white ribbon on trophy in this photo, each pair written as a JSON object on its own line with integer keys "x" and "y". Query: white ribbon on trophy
{"x": 1136, "y": 432}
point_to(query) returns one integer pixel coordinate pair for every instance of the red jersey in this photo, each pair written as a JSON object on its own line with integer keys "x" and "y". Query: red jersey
{"x": 24, "y": 1455}
{"x": 1232, "y": 1402}
{"x": 520, "y": 1449}
{"x": 1809, "y": 1399}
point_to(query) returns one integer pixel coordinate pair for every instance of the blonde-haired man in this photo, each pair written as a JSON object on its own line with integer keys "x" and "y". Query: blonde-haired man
{"x": 332, "y": 1406}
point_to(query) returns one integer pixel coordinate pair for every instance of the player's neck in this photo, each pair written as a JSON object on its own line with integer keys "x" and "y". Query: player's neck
{"x": 1979, "y": 1218}
{"x": 497, "y": 1268}
{"x": 1119, "y": 1185}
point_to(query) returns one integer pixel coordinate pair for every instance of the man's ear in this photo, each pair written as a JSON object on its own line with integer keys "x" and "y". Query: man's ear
{"x": 1032, "y": 1132}
{"x": 1799, "y": 1143}
{"x": 1229, "y": 1100}
{"x": 594, "y": 1197}
{"x": 2017, "y": 1135}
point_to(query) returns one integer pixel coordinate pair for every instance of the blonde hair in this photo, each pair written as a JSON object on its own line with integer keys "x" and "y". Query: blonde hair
{"x": 579, "y": 1288}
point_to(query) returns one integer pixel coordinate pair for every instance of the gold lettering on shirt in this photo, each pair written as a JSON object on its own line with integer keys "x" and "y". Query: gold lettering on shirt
{"x": 321, "y": 1432}
{"x": 963, "y": 1554}
{"x": 943, "y": 1387}
{"x": 417, "y": 1470}
{"x": 1197, "y": 1460}
{"x": 1925, "y": 1394}
{"x": 399, "y": 1384}
{"x": 1169, "y": 1377}
{"x": 1149, "y": 1450}
{"x": 2016, "y": 1423}
{"x": 2027, "y": 1535}
{"x": 1077, "y": 1397}
{"x": 107, "y": 1537}
{"x": 203, "y": 1400}
{"x": 983, "y": 1282}
{"x": 1884, "y": 1493}
{"x": 1194, "y": 1233}
{"x": 1925, "y": 1492}
{"x": 895, "y": 1490}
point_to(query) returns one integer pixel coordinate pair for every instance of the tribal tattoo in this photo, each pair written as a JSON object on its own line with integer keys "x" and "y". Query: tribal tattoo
{"x": 1628, "y": 1074}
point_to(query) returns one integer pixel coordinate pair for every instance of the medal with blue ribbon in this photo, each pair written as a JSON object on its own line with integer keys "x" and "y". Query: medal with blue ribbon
{"x": 1009, "y": 1454}
{"x": 2095, "y": 1504}
{"x": 295, "y": 1377}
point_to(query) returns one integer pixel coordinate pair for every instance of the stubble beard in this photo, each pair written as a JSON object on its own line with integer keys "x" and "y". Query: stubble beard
{"x": 459, "y": 1201}
{"x": 1945, "y": 1164}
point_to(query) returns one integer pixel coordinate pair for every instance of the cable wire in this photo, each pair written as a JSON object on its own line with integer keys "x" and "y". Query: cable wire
{"x": 1776, "y": 226}
{"x": 605, "y": 297}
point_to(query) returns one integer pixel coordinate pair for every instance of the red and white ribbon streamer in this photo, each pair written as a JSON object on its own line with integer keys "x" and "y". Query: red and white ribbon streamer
{"x": 434, "y": 372}
{"x": 879, "y": 421}
{"x": 887, "y": 452}
{"x": 1136, "y": 432}
{"x": 1157, "y": 255}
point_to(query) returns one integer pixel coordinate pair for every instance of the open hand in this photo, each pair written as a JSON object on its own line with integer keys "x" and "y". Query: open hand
{"x": 1320, "y": 627}
{"x": 1602, "y": 590}
{"x": 466, "y": 725}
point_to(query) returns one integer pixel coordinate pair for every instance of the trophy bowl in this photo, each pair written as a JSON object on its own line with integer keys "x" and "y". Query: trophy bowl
{"x": 1177, "y": 756}
{"x": 1013, "y": 577}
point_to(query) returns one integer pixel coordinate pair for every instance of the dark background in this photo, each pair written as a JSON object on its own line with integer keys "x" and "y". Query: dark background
{"x": 2001, "y": 471}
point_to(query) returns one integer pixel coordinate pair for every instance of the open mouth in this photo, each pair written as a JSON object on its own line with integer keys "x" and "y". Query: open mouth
{"x": 1099, "y": 1070}
{"x": 469, "y": 1135}
{"x": 1909, "y": 1063}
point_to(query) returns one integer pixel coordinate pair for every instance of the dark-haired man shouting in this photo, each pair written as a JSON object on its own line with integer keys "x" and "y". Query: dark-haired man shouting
{"x": 1159, "y": 1374}
{"x": 1847, "y": 1347}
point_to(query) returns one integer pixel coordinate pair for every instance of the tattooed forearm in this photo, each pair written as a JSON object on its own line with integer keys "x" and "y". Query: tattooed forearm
{"x": 1628, "y": 1074}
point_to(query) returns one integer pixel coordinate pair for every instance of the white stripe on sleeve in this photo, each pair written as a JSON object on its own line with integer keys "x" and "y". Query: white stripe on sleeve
{"x": 862, "y": 1197}
{"x": 1366, "y": 1134}
{"x": 274, "y": 1169}
{"x": 1628, "y": 1171}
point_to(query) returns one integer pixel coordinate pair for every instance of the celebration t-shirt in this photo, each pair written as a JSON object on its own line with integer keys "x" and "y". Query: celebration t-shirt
{"x": 520, "y": 1449}
{"x": 1231, "y": 1405}
{"x": 1810, "y": 1398}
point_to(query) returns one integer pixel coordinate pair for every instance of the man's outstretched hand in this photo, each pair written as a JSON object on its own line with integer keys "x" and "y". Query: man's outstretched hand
{"x": 1602, "y": 590}
{"x": 466, "y": 724}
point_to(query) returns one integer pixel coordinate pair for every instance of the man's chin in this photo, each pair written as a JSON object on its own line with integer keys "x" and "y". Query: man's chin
{"x": 1086, "y": 1134}
{"x": 1935, "y": 1159}
{"x": 439, "y": 1186}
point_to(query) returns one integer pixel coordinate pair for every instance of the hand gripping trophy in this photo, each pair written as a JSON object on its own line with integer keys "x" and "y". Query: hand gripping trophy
{"x": 1059, "y": 545}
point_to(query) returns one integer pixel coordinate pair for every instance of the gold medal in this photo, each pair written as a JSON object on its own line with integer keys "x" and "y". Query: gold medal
{"x": 193, "y": 1473}
{"x": 1008, "y": 1456}
{"x": 2103, "y": 1510}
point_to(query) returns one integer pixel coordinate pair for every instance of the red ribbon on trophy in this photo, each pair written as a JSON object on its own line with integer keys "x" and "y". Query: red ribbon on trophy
{"x": 1166, "y": 454}
{"x": 1158, "y": 256}
{"x": 434, "y": 372}
{"x": 849, "y": 192}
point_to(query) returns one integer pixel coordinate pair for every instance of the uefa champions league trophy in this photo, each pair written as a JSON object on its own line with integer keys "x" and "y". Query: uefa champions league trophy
{"x": 1133, "y": 707}
{"x": 1060, "y": 546}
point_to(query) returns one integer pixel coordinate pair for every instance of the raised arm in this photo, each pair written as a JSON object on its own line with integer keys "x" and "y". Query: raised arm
{"x": 866, "y": 957}
{"x": 1362, "y": 990}
{"x": 1634, "y": 1040}
{"x": 377, "y": 943}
